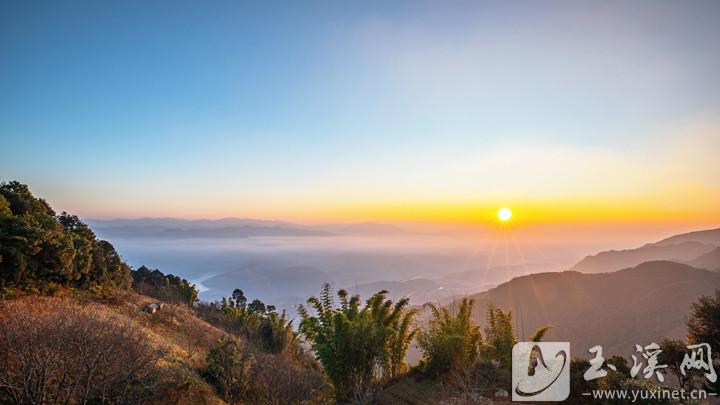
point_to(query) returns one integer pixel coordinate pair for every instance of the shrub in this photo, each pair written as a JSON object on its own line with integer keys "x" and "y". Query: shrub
{"x": 280, "y": 380}
{"x": 241, "y": 374}
{"x": 55, "y": 351}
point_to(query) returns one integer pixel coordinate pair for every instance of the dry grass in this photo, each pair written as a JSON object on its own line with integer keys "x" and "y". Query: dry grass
{"x": 181, "y": 339}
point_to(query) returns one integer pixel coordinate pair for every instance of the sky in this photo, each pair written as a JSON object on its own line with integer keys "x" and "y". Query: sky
{"x": 568, "y": 112}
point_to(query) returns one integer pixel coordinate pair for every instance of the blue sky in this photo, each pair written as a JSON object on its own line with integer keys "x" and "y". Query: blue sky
{"x": 290, "y": 109}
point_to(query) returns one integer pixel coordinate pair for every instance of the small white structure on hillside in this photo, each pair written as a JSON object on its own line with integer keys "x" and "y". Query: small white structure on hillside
{"x": 154, "y": 307}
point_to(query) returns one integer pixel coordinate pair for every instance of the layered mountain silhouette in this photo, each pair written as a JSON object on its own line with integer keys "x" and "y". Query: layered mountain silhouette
{"x": 683, "y": 248}
{"x": 173, "y": 228}
{"x": 617, "y": 310}
{"x": 709, "y": 261}
{"x": 708, "y": 237}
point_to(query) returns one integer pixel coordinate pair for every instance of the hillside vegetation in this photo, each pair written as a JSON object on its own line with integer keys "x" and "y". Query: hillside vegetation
{"x": 74, "y": 326}
{"x": 85, "y": 348}
{"x": 79, "y": 326}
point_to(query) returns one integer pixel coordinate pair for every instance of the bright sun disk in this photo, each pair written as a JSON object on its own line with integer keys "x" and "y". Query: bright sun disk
{"x": 504, "y": 214}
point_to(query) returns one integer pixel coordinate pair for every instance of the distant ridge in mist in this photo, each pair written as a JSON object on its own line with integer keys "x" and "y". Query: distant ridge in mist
{"x": 364, "y": 228}
{"x": 708, "y": 261}
{"x": 709, "y": 237}
{"x": 683, "y": 248}
{"x": 172, "y": 228}
{"x": 229, "y": 228}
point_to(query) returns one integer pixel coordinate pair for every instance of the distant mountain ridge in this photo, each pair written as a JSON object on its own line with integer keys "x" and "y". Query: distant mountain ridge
{"x": 363, "y": 228}
{"x": 683, "y": 248}
{"x": 708, "y": 261}
{"x": 708, "y": 236}
{"x": 616, "y": 310}
{"x": 229, "y": 228}
{"x": 179, "y": 222}
{"x": 242, "y": 231}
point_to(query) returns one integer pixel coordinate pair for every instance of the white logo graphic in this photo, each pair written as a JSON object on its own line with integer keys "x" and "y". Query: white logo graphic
{"x": 540, "y": 371}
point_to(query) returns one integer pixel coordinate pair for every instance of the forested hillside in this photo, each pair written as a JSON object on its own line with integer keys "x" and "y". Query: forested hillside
{"x": 40, "y": 250}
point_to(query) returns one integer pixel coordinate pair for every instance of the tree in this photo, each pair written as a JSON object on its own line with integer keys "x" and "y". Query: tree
{"x": 34, "y": 246}
{"x": 37, "y": 247}
{"x": 229, "y": 369}
{"x": 704, "y": 327}
{"x": 167, "y": 287}
{"x": 357, "y": 346}
{"x": 238, "y": 298}
{"x": 450, "y": 341}
{"x": 5, "y": 210}
{"x": 5, "y": 213}
{"x": 403, "y": 332}
{"x": 500, "y": 337}
{"x": 22, "y": 202}
{"x": 108, "y": 268}
{"x": 673, "y": 353}
{"x": 704, "y": 321}
{"x": 83, "y": 240}
{"x": 276, "y": 333}
{"x": 257, "y": 322}
{"x": 578, "y": 384}
{"x": 256, "y": 306}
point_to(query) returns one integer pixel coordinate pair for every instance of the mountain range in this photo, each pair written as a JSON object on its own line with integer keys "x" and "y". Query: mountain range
{"x": 709, "y": 261}
{"x": 684, "y": 248}
{"x": 617, "y": 310}
{"x": 615, "y": 299}
{"x": 173, "y": 228}
{"x": 697, "y": 250}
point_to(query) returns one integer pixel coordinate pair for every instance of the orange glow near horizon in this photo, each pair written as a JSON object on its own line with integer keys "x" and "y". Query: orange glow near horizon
{"x": 569, "y": 220}
{"x": 669, "y": 183}
{"x": 673, "y": 206}
{"x": 544, "y": 212}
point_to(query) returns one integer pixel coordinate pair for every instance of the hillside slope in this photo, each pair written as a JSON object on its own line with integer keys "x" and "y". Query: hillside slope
{"x": 615, "y": 310}
{"x": 175, "y": 340}
{"x": 181, "y": 339}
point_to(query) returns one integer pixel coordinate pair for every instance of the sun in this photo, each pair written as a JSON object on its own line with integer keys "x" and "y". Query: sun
{"x": 504, "y": 214}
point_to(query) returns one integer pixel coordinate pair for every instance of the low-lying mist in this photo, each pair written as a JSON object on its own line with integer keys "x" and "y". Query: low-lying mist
{"x": 284, "y": 263}
{"x": 285, "y": 271}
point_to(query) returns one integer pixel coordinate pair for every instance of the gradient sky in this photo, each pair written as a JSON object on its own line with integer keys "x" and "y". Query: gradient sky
{"x": 322, "y": 111}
